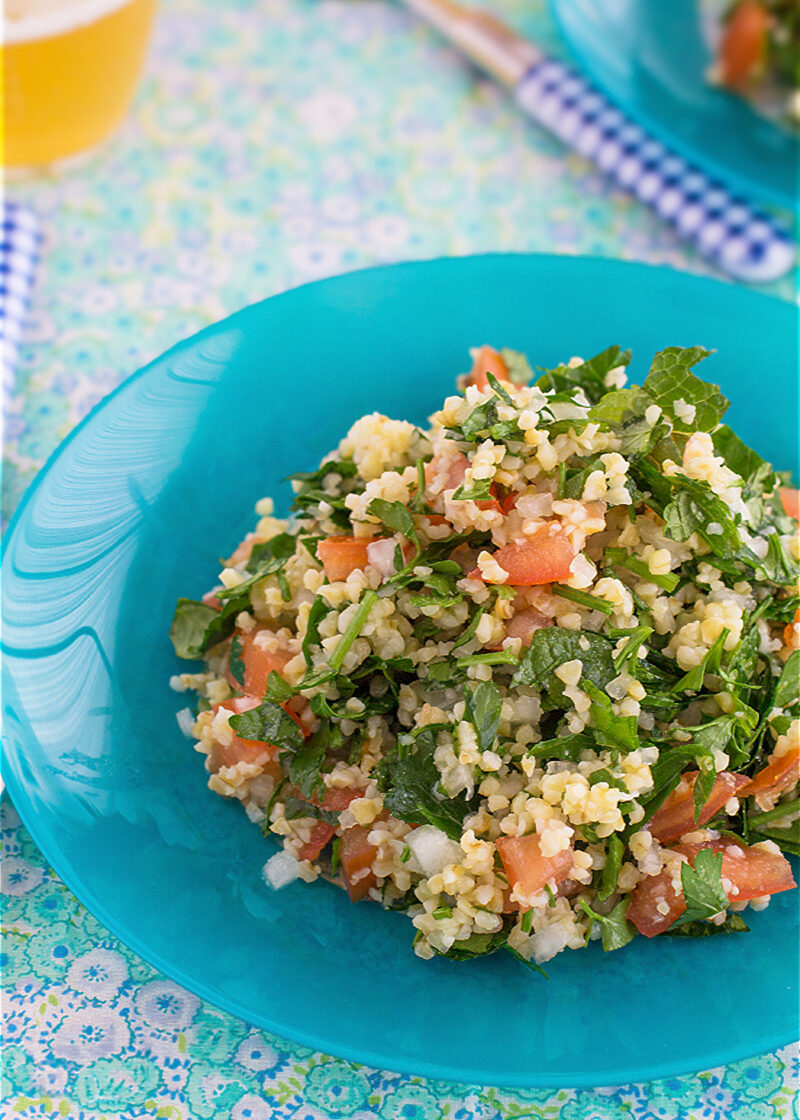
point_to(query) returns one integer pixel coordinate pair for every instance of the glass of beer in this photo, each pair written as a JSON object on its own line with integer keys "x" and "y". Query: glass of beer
{"x": 70, "y": 71}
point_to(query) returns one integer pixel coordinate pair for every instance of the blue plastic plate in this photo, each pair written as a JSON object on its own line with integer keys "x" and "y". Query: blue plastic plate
{"x": 133, "y": 511}
{"x": 651, "y": 58}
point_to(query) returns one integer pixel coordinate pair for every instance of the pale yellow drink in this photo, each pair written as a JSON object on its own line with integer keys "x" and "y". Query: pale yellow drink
{"x": 70, "y": 68}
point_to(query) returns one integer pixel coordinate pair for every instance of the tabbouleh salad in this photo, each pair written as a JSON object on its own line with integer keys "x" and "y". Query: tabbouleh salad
{"x": 530, "y": 675}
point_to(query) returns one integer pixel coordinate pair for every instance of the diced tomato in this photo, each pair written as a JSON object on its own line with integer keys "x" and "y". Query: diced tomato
{"x": 780, "y": 774}
{"x": 753, "y": 873}
{"x": 525, "y": 623}
{"x": 357, "y": 854}
{"x": 340, "y": 556}
{"x": 487, "y": 360}
{"x": 527, "y": 869}
{"x": 321, "y": 833}
{"x": 210, "y": 599}
{"x": 791, "y": 632}
{"x": 335, "y": 800}
{"x": 544, "y": 557}
{"x": 743, "y": 48}
{"x": 790, "y": 499}
{"x": 675, "y": 816}
{"x": 456, "y": 472}
{"x": 258, "y": 664}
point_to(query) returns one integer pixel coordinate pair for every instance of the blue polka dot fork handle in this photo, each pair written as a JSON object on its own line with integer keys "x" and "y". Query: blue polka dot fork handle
{"x": 728, "y": 231}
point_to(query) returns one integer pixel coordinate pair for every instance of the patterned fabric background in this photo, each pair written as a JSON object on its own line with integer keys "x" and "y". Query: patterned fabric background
{"x": 272, "y": 143}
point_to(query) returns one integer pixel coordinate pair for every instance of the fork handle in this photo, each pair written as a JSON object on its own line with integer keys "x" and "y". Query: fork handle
{"x": 727, "y": 231}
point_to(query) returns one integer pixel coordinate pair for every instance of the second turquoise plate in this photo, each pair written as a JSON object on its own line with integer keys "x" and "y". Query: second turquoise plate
{"x": 651, "y": 58}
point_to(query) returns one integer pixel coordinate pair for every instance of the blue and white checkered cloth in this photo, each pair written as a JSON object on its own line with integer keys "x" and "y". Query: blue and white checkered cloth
{"x": 19, "y": 253}
{"x": 745, "y": 242}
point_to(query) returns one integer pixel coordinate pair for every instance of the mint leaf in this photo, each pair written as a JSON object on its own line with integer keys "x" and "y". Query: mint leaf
{"x": 552, "y": 646}
{"x": 306, "y": 762}
{"x": 268, "y": 723}
{"x": 483, "y": 707}
{"x": 670, "y": 379}
{"x": 590, "y": 376}
{"x": 196, "y": 626}
{"x": 189, "y": 626}
{"x": 614, "y": 929}
{"x": 394, "y": 515}
{"x": 623, "y": 412}
{"x": 702, "y": 887}
{"x": 410, "y": 782}
{"x": 693, "y": 509}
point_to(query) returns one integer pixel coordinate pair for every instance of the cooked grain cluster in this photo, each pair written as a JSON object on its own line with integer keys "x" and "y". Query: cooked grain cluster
{"x": 527, "y": 675}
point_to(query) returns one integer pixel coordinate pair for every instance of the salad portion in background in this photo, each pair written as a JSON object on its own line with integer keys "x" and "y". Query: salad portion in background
{"x": 757, "y": 48}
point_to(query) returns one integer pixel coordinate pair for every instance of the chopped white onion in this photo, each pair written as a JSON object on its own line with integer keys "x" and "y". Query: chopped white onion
{"x": 279, "y": 870}
{"x": 432, "y": 850}
{"x": 185, "y": 718}
{"x": 381, "y": 555}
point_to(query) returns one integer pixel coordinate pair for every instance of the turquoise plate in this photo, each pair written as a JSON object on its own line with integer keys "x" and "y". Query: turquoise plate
{"x": 651, "y": 58}
{"x": 134, "y": 510}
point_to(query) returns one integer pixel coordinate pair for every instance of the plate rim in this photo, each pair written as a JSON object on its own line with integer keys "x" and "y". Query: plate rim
{"x": 752, "y": 189}
{"x": 25, "y": 806}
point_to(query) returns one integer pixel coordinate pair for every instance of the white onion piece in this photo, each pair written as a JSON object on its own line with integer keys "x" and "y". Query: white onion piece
{"x": 279, "y": 870}
{"x": 381, "y": 556}
{"x": 185, "y": 718}
{"x": 432, "y": 850}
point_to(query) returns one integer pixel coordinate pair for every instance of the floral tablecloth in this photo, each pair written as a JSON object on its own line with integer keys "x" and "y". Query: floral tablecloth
{"x": 272, "y": 143}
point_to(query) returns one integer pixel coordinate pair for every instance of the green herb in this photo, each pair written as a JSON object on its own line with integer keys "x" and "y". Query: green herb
{"x": 670, "y": 379}
{"x": 611, "y": 730}
{"x": 590, "y": 376}
{"x": 480, "y": 490}
{"x": 693, "y": 508}
{"x": 631, "y": 649}
{"x": 614, "y": 929}
{"x": 610, "y": 874}
{"x": 693, "y": 680}
{"x": 410, "y": 781}
{"x": 483, "y": 707}
{"x": 266, "y": 558}
{"x": 468, "y": 634}
{"x": 196, "y": 627}
{"x": 498, "y": 657}
{"x": 776, "y": 814}
{"x": 702, "y": 887}
{"x": 526, "y": 922}
{"x": 567, "y": 747}
{"x": 336, "y": 854}
{"x": 734, "y": 923}
{"x": 668, "y": 580}
{"x": 395, "y": 516}
{"x": 552, "y": 646}
{"x": 583, "y": 598}
{"x": 405, "y": 855}
{"x": 277, "y": 689}
{"x": 268, "y": 723}
{"x": 531, "y": 965}
{"x": 443, "y": 912}
{"x": 623, "y": 412}
{"x": 305, "y": 764}
{"x": 518, "y": 366}
{"x": 353, "y": 630}
{"x": 476, "y": 945}
{"x": 235, "y": 661}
